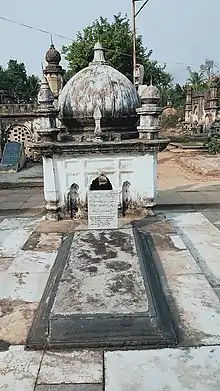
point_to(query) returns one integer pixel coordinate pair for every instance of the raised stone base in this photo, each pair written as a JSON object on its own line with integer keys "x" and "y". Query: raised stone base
{"x": 103, "y": 291}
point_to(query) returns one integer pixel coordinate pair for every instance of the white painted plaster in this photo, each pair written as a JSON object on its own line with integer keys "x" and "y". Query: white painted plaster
{"x": 51, "y": 187}
{"x": 22, "y": 286}
{"x": 60, "y": 173}
{"x": 19, "y": 369}
{"x": 163, "y": 370}
{"x": 77, "y": 366}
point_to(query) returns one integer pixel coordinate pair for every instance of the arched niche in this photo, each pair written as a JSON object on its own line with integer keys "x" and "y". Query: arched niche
{"x": 101, "y": 183}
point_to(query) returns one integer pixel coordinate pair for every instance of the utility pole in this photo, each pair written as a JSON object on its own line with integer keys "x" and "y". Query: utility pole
{"x": 134, "y": 38}
{"x": 134, "y": 14}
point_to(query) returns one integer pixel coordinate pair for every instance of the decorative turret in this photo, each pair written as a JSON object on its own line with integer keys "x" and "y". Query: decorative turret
{"x": 45, "y": 96}
{"x": 149, "y": 112}
{"x": 53, "y": 71}
{"x": 47, "y": 113}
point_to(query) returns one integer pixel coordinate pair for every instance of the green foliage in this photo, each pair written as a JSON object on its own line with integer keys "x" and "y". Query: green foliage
{"x": 198, "y": 79}
{"x": 116, "y": 38}
{"x": 170, "y": 121}
{"x": 17, "y": 85}
{"x": 176, "y": 94}
{"x": 213, "y": 145}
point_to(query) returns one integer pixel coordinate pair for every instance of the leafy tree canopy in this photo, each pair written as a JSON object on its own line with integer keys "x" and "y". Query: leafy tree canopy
{"x": 116, "y": 38}
{"x": 17, "y": 85}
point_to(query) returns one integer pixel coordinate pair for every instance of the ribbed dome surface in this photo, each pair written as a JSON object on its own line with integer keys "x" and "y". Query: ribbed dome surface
{"x": 98, "y": 85}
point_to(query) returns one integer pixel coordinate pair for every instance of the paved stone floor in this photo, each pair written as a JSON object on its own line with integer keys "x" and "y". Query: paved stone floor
{"x": 186, "y": 251}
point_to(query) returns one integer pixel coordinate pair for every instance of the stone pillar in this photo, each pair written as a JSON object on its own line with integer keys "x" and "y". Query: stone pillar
{"x": 188, "y": 107}
{"x": 50, "y": 189}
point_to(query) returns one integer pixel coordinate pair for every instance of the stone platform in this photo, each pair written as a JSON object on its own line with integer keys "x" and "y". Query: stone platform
{"x": 103, "y": 290}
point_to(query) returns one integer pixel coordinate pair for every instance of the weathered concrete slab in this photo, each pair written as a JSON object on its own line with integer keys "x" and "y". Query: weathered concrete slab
{"x": 177, "y": 263}
{"x": 22, "y": 286}
{"x": 102, "y": 276}
{"x": 12, "y": 241}
{"x": 19, "y": 369}
{"x": 32, "y": 262}
{"x": 164, "y": 369}
{"x": 100, "y": 293}
{"x": 69, "y": 387}
{"x": 78, "y": 366}
{"x": 18, "y": 223}
{"x": 204, "y": 239}
{"x": 196, "y": 306}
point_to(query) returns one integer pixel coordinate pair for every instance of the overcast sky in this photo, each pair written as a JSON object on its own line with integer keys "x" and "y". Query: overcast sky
{"x": 180, "y": 32}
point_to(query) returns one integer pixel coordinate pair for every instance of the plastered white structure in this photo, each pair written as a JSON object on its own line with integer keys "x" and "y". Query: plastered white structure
{"x": 139, "y": 171}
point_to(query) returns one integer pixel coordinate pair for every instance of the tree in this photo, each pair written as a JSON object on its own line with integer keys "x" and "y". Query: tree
{"x": 197, "y": 79}
{"x": 116, "y": 38}
{"x": 17, "y": 85}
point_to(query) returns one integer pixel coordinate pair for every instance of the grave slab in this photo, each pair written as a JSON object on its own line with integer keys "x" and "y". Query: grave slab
{"x": 103, "y": 290}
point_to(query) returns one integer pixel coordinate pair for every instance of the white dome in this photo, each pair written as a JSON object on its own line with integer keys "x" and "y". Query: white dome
{"x": 98, "y": 85}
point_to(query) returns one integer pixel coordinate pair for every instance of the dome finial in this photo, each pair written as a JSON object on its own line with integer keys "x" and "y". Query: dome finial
{"x": 52, "y": 55}
{"x": 99, "y": 57}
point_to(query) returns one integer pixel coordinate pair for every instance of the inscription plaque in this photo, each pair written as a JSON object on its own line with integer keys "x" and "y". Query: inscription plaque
{"x": 11, "y": 154}
{"x": 103, "y": 209}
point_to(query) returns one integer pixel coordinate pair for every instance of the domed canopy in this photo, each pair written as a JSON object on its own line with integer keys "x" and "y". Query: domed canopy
{"x": 99, "y": 85}
{"x": 149, "y": 93}
{"x": 53, "y": 56}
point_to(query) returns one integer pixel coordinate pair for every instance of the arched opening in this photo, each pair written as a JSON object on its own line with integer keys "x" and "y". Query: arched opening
{"x": 101, "y": 183}
{"x": 21, "y": 134}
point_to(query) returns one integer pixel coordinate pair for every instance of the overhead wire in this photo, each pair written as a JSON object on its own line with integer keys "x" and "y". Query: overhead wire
{"x": 72, "y": 39}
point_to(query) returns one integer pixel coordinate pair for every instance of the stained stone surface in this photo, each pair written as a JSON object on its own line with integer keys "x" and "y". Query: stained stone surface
{"x": 163, "y": 370}
{"x": 22, "y": 286}
{"x": 69, "y": 387}
{"x": 78, "y": 366}
{"x": 32, "y": 261}
{"x": 15, "y": 319}
{"x": 102, "y": 275}
{"x": 19, "y": 369}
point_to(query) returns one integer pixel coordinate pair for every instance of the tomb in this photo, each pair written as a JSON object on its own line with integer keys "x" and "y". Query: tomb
{"x": 103, "y": 289}
{"x": 108, "y": 130}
